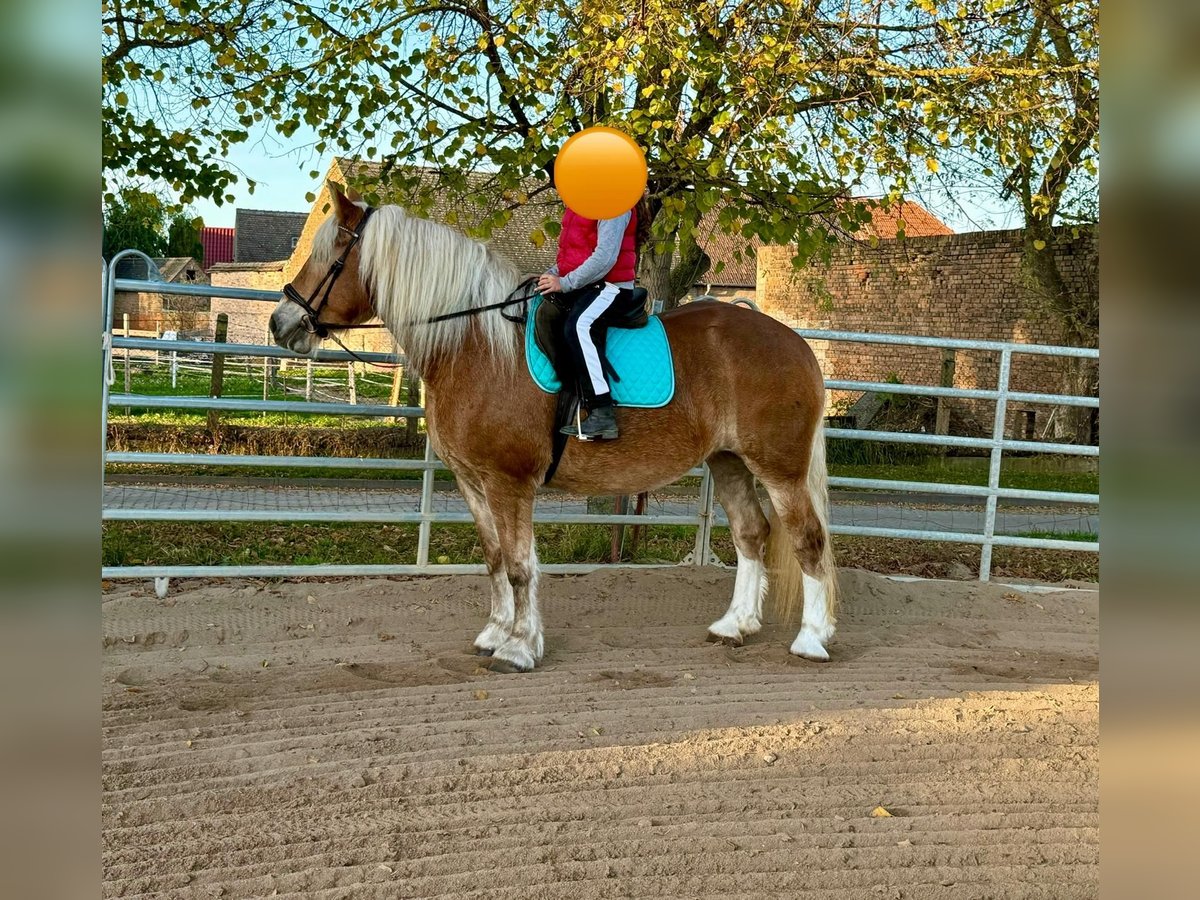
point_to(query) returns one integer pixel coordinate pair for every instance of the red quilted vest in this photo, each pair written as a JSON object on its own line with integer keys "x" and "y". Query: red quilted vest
{"x": 578, "y": 241}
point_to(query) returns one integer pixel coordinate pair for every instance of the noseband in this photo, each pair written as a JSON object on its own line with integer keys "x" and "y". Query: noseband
{"x": 312, "y": 305}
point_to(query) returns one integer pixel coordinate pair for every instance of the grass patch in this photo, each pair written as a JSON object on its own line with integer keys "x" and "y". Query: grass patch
{"x": 245, "y": 543}
{"x": 1014, "y": 473}
{"x": 237, "y": 384}
{"x": 1061, "y": 535}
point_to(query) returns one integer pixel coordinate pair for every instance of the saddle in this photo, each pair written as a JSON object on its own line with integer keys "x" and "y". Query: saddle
{"x": 640, "y": 371}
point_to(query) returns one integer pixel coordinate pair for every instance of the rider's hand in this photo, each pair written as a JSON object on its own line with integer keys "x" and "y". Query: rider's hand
{"x": 549, "y": 284}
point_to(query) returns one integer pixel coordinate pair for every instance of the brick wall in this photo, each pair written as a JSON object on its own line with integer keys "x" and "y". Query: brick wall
{"x": 148, "y": 310}
{"x": 961, "y": 285}
{"x": 247, "y": 318}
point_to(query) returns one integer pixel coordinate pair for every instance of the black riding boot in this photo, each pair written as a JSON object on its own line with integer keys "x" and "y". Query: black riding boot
{"x": 600, "y": 425}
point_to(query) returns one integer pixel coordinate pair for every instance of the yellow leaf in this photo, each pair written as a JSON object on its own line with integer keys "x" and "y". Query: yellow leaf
{"x": 880, "y": 813}
{"x": 499, "y": 40}
{"x": 538, "y": 238}
{"x": 1039, "y": 245}
{"x": 931, "y": 164}
{"x": 481, "y": 695}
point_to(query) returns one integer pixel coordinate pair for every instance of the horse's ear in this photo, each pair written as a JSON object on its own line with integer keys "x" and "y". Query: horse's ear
{"x": 343, "y": 206}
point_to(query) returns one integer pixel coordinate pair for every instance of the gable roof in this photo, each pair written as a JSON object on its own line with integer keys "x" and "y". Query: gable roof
{"x": 263, "y": 235}
{"x": 171, "y": 269}
{"x": 180, "y": 269}
{"x": 738, "y": 254}
{"x": 512, "y": 239}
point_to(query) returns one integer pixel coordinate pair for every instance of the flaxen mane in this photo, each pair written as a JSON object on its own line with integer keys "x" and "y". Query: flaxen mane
{"x": 415, "y": 269}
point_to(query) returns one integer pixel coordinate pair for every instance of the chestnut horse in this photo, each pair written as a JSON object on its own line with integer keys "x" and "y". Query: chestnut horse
{"x": 749, "y": 401}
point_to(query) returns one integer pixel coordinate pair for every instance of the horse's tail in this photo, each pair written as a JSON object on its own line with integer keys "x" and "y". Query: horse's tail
{"x": 785, "y": 575}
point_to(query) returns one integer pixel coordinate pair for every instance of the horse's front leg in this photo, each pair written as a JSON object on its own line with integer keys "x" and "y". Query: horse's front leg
{"x": 511, "y": 505}
{"x": 500, "y": 623}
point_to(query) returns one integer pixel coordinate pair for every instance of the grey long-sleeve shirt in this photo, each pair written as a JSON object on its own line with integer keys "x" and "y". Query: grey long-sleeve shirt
{"x": 609, "y": 233}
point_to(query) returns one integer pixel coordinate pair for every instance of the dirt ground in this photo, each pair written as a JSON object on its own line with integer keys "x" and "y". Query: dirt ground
{"x": 338, "y": 741}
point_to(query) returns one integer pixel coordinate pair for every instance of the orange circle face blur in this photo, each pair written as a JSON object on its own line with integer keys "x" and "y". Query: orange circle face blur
{"x": 600, "y": 173}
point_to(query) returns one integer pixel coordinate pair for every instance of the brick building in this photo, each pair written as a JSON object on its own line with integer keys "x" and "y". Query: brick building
{"x": 150, "y": 310}
{"x": 957, "y": 285}
{"x": 734, "y": 268}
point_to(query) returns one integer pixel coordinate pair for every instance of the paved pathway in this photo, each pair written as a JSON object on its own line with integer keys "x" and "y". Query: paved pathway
{"x": 954, "y": 517}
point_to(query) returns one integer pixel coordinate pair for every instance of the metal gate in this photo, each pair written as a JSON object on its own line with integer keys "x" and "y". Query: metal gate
{"x": 427, "y": 516}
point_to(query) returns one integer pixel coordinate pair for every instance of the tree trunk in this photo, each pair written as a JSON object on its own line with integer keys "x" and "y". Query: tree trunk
{"x": 1077, "y": 313}
{"x": 692, "y": 266}
{"x": 655, "y": 276}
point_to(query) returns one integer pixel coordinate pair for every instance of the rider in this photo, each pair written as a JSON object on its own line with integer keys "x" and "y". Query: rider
{"x": 597, "y": 261}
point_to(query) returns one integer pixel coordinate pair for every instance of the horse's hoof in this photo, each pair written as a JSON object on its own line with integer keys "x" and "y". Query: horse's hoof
{"x": 484, "y": 651}
{"x": 808, "y": 646}
{"x": 725, "y": 639}
{"x": 507, "y": 667}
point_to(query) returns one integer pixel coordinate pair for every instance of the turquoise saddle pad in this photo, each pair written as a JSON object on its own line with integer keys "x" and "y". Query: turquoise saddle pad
{"x": 640, "y": 356}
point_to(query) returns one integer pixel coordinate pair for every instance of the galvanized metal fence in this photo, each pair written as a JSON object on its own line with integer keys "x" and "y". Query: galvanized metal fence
{"x": 427, "y": 516}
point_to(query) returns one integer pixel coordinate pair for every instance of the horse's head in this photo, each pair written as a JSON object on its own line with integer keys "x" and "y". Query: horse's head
{"x": 328, "y": 292}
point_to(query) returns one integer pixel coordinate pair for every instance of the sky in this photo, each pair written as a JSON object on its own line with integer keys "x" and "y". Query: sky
{"x": 280, "y": 169}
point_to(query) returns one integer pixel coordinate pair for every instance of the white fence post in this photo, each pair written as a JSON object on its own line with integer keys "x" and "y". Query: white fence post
{"x": 989, "y": 517}
{"x": 125, "y": 357}
{"x": 426, "y": 526}
{"x": 308, "y": 379}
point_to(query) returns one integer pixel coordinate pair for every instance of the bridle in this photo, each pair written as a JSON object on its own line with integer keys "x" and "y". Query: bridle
{"x": 311, "y": 320}
{"x": 312, "y": 305}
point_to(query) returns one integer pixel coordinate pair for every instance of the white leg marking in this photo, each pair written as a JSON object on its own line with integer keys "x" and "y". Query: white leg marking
{"x": 816, "y": 628}
{"x": 524, "y": 646}
{"x": 500, "y": 624}
{"x": 744, "y": 616}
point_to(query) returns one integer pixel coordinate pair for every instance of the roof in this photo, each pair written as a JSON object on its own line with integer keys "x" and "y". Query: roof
{"x": 512, "y": 239}
{"x": 918, "y": 221}
{"x": 171, "y": 270}
{"x": 180, "y": 269}
{"x": 218, "y": 245}
{"x": 263, "y": 235}
{"x": 737, "y": 253}
{"x": 275, "y": 265}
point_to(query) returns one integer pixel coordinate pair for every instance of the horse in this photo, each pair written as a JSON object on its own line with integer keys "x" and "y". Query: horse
{"x": 749, "y": 401}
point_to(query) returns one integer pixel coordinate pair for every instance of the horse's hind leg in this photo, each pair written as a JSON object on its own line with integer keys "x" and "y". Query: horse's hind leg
{"x": 804, "y": 540}
{"x": 734, "y": 488}
{"x": 511, "y": 506}
{"x": 500, "y": 623}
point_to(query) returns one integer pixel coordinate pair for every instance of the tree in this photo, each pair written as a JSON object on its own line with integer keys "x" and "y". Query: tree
{"x": 1031, "y": 131}
{"x": 183, "y": 236}
{"x": 760, "y": 118}
{"x": 134, "y": 221}
{"x": 137, "y": 220}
